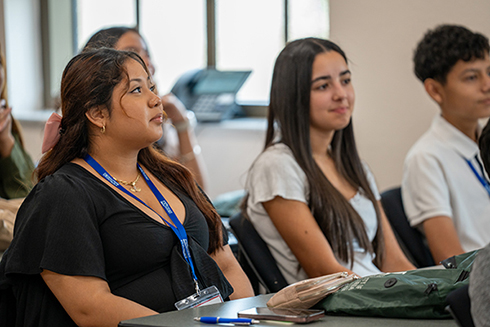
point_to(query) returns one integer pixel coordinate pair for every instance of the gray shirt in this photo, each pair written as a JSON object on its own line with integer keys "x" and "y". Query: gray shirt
{"x": 276, "y": 173}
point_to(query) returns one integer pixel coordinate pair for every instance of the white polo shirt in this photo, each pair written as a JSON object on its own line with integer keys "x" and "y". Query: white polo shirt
{"x": 437, "y": 181}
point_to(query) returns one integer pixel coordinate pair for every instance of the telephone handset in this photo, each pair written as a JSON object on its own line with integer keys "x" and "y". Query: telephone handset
{"x": 210, "y": 93}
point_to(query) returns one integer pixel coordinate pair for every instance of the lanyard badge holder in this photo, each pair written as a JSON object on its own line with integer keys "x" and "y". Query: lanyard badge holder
{"x": 481, "y": 178}
{"x": 210, "y": 295}
{"x": 203, "y": 297}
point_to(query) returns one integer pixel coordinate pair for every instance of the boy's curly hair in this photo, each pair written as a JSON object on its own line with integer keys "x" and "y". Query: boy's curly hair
{"x": 442, "y": 47}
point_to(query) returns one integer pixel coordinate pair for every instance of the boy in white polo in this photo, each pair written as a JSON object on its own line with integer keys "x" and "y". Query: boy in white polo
{"x": 445, "y": 189}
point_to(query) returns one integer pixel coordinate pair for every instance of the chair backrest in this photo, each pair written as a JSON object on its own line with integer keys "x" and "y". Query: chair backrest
{"x": 255, "y": 257}
{"x": 460, "y": 306}
{"x": 410, "y": 239}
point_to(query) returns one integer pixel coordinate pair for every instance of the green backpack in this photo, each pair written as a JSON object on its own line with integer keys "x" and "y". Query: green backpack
{"x": 417, "y": 293}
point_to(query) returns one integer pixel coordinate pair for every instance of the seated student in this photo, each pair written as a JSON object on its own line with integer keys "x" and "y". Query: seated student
{"x": 179, "y": 141}
{"x": 98, "y": 239}
{"x": 16, "y": 165}
{"x": 310, "y": 197}
{"x": 445, "y": 191}
{"x": 479, "y": 290}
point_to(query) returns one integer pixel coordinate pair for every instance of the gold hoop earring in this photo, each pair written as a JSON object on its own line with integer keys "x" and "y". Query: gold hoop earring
{"x": 102, "y": 130}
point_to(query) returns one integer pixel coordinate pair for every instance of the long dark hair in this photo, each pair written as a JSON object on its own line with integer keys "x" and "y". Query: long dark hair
{"x": 88, "y": 81}
{"x": 289, "y": 123}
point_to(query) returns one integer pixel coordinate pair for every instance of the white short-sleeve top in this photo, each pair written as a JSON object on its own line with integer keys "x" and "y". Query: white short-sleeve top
{"x": 437, "y": 181}
{"x": 276, "y": 173}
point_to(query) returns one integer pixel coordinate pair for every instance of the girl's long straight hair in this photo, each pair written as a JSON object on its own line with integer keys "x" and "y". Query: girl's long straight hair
{"x": 88, "y": 81}
{"x": 289, "y": 123}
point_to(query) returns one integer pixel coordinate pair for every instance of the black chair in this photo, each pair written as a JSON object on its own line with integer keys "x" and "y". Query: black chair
{"x": 409, "y": 238}
{"x": 460, "y": 306}
{"x": 254, "y": 256}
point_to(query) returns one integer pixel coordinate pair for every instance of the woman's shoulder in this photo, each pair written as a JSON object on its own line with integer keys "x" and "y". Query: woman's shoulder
{"x": 277, "y": 161}
{"x": 70, "y": 183}
{"x": 69, "y": 177}
{"x": 69, "y": 170}
{"x": 62, "y": 201}
{"x": 366, "y": 168}
{"x": 276, "y": 173}
{"x": 278, "y": 153}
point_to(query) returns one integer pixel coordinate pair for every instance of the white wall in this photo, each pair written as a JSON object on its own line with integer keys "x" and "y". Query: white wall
{"x": 392, "y": 109}
{"x": 229, "y": 149}
{"x": 24, "y": 61}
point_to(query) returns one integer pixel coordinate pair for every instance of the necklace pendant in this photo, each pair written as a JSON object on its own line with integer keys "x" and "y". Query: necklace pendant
{"x": 134, "y": 188}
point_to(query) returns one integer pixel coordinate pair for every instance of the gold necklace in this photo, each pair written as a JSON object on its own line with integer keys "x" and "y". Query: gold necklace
{"x": 132, "y": 184}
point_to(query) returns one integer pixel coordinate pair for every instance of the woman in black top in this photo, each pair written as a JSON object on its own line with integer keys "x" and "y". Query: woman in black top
{"x": 85, "y": 251}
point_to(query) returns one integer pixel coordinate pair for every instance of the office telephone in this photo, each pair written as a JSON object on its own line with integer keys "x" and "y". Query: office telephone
{"x": 211, "y": 93}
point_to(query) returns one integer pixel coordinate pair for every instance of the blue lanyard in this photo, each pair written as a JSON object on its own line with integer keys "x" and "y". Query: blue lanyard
{"x": 178, "y": 229}
{"x": 481, "y": 178}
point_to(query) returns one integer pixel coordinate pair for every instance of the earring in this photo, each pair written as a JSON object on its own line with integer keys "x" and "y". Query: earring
{"x": 102, "y": 130}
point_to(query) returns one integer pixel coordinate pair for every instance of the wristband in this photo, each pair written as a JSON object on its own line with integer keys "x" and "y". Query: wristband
{"x": 190, "y": 155}
{"x": 182, "y": 126}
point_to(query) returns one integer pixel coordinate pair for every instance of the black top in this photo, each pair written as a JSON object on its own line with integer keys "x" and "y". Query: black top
{"x": 72, "y": 223}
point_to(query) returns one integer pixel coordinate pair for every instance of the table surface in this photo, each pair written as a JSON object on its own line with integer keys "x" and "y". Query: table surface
{"x": 229, "y": 310}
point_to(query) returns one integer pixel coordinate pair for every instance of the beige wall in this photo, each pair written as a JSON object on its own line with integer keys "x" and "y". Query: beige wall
{"x": 379, "y": 36}
{"x": 33, "y": 132}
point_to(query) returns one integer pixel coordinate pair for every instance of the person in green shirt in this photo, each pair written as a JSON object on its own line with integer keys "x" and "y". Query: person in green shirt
{"x": 16, "y": 166}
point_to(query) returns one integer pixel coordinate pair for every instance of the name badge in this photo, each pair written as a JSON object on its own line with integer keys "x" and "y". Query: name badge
{"x": 210, "y": 295}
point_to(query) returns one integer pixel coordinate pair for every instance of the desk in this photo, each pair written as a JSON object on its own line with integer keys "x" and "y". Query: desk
{"x": 230, "y": 309}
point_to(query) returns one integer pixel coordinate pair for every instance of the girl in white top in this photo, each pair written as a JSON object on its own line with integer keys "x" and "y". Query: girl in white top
{"x": 310, "y": 197}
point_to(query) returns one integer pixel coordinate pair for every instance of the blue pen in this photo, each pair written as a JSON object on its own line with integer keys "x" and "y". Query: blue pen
{"x": 219, "y": 320}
